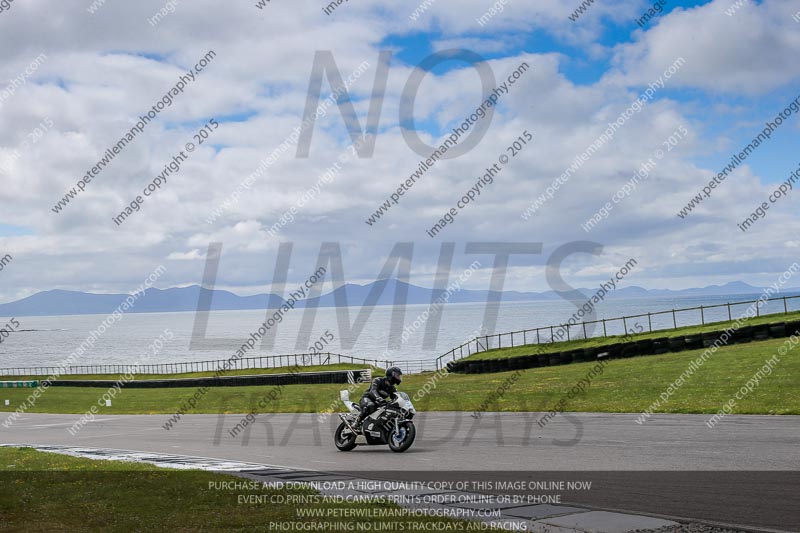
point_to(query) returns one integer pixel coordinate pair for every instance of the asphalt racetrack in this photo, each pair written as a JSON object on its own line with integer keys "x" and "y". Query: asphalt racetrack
{"x": 745, "y": 471}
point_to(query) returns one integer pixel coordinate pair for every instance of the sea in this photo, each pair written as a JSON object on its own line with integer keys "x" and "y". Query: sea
{"x": 362, "y": 332}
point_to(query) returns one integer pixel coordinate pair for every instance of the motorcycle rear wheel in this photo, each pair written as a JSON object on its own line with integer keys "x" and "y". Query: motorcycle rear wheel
{"x": 406, "y": 440}
{"x": 346, "y": 442}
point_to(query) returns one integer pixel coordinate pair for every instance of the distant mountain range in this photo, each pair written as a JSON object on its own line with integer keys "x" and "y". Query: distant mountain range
{"x": 60, "y": 302}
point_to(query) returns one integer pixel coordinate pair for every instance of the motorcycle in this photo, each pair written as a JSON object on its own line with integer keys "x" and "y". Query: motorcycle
{"x": 390, "y": 424}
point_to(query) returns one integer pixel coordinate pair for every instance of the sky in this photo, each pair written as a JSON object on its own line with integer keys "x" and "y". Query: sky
{"x": 80, "y": 74}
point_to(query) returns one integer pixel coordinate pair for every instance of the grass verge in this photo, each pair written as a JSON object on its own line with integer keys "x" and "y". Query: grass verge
{"x": 531, "y": 349}
{"x": 234, "y": 372}
{"x": 53, "y": 492}
{"x": 626, "y": 385}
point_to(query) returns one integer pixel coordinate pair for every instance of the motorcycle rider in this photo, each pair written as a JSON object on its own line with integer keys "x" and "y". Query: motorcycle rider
{"x": 379, "y": 393}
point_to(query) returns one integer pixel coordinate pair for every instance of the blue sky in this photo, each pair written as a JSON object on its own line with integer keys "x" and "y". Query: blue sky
{"x": 103, "y": 69}
{"x": 773, "y": 161}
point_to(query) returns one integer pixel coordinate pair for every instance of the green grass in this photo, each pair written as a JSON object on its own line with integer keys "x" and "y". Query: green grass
{"x": 52, "y": 492}
{"x": 531, "y": 349}
{"x": 631, "y": 385}
{"x": 626, "y": 385}
{"x": 243, "y": 372}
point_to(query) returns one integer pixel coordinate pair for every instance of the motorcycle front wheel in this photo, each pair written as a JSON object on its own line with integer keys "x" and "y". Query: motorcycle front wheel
{"x": 344, "y": 438}
{"x": 403, "y": 439}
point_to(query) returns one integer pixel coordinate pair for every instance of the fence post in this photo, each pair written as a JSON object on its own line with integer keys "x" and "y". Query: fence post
{"x": 568, "y": 333}
{"x": 624, "y": 326}
{"x": 551, "y": 333}
{"x": 650, "y": 322}
{"x": 785, "y": 309}
{"x": 604, "y": 328}
{"x": 525, "y": 335}
{"x": 674, "y": 322}
{"x": 729, "y": 311}
{"x": 537, "y": 336}
{"x": 702, "y": 316}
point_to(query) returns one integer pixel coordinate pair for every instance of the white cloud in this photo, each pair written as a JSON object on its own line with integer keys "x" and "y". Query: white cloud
{"x": 97, "y": 79}
{"x": 191, "y": 255}
{"x": 751, "y": 52}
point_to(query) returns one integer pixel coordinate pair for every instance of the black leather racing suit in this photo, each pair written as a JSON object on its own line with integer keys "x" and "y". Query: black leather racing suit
{"x": 380, "y": 391}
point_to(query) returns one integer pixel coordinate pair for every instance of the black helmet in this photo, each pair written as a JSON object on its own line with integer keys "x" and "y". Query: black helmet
{"x": 394, "y": 375}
